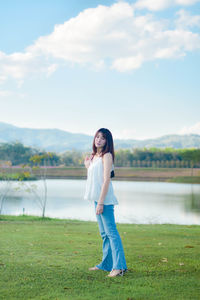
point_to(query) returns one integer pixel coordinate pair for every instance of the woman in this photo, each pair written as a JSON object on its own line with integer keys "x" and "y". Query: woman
{"x": 99, "y": 189}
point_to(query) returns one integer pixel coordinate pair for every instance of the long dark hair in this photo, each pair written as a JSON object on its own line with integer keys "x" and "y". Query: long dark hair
{"x": 109, "y": 145}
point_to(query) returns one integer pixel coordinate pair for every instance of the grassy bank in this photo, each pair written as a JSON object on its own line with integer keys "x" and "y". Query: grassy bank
{"x": 131, "y": 174}
{"x": 17, "y": 176}
{"x": 185, "y": 179}
{"x": 49, "y": 259}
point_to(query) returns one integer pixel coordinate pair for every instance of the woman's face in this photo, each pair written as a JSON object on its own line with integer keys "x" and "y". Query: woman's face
{"x": 100, "y": 141}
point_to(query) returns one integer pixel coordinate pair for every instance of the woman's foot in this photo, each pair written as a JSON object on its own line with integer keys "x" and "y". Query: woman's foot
{"x": 94, "y": 269}
{"x": 115, "y": 273}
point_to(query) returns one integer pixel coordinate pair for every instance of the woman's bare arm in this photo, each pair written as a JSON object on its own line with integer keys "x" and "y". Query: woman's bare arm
{"x": 107, "y": 163}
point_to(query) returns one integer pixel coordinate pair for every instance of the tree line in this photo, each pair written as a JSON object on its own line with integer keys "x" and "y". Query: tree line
{"x": 18, "y": 154}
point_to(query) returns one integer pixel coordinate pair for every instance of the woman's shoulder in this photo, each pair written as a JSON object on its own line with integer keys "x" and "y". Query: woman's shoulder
{"x": 108, "y": 156}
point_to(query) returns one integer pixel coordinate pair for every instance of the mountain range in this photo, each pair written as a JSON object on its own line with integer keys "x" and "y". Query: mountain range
{"x": 57, "y": 140}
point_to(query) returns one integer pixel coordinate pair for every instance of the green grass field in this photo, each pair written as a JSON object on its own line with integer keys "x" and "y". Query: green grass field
{"x": 49, "y": 259}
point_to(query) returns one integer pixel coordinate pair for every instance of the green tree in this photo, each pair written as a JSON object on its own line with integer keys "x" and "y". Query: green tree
{"x": 193, "y": 155}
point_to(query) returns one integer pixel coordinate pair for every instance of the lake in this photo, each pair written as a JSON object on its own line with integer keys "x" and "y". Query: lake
{"x": 139, "y": 202}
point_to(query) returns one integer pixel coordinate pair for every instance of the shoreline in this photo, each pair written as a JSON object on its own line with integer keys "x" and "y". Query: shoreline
{"x": 178, "y": 175}
{"x": 32, "y": 218}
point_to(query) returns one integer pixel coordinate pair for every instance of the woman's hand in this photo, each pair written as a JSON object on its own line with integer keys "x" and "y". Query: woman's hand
{"x": 87, "y": 161}
{"x": 99, "y": 209}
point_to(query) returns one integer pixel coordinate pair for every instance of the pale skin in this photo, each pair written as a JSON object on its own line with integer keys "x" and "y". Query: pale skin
{"x": 107, "y": 163}
{"x": 100, "y": 142}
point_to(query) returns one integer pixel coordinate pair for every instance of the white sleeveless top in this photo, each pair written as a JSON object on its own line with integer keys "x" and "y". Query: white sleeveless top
{"x": 95, "y": 181}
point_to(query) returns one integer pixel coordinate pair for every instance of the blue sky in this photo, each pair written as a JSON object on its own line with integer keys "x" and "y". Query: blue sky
{"x": 130, "y": 66}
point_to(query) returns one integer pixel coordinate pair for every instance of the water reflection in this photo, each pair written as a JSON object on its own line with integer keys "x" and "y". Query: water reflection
{"x": 139, "y": 202}
{"x": 192, "y": 201}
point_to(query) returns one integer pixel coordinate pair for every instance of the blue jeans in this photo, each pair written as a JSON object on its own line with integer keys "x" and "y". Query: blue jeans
{"x": 113, "y": 252}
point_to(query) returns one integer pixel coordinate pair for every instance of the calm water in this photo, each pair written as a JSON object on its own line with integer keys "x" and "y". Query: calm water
{"x": 139, "y": 202}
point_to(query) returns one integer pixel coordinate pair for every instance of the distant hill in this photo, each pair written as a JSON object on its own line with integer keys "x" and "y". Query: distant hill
{"x": 59, "y": 140}
{"x": 172, "y": 141}
{"x": 49, "y": 139}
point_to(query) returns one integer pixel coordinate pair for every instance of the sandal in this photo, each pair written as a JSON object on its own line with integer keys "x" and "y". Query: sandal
{"x": 115, "y": 273}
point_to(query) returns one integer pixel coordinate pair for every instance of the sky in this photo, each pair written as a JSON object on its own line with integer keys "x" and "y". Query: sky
{"x": 130, "y": 66}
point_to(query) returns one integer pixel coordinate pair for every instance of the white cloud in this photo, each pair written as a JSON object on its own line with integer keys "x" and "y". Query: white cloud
{"x": 127, "y": 63}
{"x": 105, "y": 36}
{"x": 91, "y": 35}
{"x": 15, "y": 64}
{"x": 153, "y": 5}
{"x": 156, "y": 5}
{"x": 51, "y": 69}
{"x": 5, "y": 93}
{"x": 185, "y": 20}
{"x": 195, "y": 129}
{"x": 19, "y": 65}
{"x": 186, "y": 2}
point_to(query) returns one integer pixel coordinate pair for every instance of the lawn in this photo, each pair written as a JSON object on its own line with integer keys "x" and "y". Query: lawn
{"x": 49, "y": 259}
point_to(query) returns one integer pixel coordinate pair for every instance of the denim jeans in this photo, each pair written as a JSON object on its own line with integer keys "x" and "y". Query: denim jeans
{"x": 113, "y": 252}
